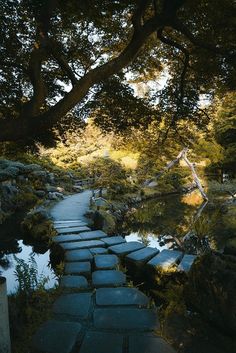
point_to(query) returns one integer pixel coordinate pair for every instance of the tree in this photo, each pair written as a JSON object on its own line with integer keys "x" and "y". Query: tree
{"x": 48, "y": 45}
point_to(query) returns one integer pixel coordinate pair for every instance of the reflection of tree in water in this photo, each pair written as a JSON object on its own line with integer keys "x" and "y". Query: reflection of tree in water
{"x": 7, "y": 248}
{"x": 169, "y": 219}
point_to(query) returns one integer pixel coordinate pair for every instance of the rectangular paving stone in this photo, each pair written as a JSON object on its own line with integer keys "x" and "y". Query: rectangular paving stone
{"x": 77, "y": 304}
{"x": 93, "y": 234}
{"x": 143, "y": 255}
{"x": 73, "y": 230}
{"x": 67, "y": 221}
{"x": 78, "y": 255}
{"x": 166, "y": 258}
{"x": 56, "y": 336}
{"x": 186, "y": 262}
{"x": 126, "y": 319}
{"x": 66, "y": 238}
{"x": 148, "y": 344}
{"x": 78, "y": 268}
{"x": 106, "y": 262}
{"x": 108, "y": 278}
{"x": 126, "y": 248}
{"x": 95, "y": 251}
{"x": 109, "y": 241}
{"x": 102, "y": 342}
{"x": 69, "y": 225}
{"x": 74, "y": 282}
{"x": 82, "y": 244}
{"x": 121, "y": 296}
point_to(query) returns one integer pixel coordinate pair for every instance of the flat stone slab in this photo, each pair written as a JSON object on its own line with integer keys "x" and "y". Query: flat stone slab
{"x": 95, "y": 251}
{"x": 73, "y": 230}
{"x": 78, "y": 255}
{"x": 73, "y": 305}
{"x": 56, "y": 336}
{"x": 78, "y": 268}
{"x": 66, "y": 238}
{"x": 166, "y": 258}
{"x": 186, "y": 262}
{"x": 126, "y": 319}
{"x": 143, "y": 255}
{"x": 74, "y": 282}
{"x": 106, "y": 278}
{"x": 126, "y": 248}
{"x": 93, "y": 234}
{"x": 69, "y": 225}
{"x": 106, "y": 262}
{"x": 86, "y": 244}
{"x": 148, "y": 344}
{"x": 121, "y": 296}
{"x": 109, "y": 241}
{"x": 102, "y": 342}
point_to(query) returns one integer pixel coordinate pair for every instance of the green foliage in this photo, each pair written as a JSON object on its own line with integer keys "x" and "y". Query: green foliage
{"x": 28, "y": 277}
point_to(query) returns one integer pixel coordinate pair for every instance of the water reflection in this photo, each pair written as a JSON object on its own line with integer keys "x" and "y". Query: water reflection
{"x": 169, "y": 219}
{"x": 24, "y": 252}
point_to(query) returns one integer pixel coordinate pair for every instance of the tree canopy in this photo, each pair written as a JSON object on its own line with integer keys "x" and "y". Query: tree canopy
{"x": 73, "y": 56}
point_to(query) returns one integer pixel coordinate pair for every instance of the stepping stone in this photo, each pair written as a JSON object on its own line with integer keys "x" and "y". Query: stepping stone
{"x": 66, "y": 238}
{"x": 68, "y": 222}
{"x": 126, "y": 319}
{"x": 69, "y": 225}
{"x": 102, "y": 342}
{"x": 148, "y": 344}
{"x": 93, "y": 234}
{"x": 186, "y": 262}
{"x": 121, "y": 296}
{"x": 73, "y": 304}
{"x": 78, "y": 268}
{"x": 126, "y": 248}
{"x": 56, "y": 336}
{"x": 166, "y": 258}
{"x": 95, "y": 251}
{"x": 143, "y": 255}
{"x": 106, "y": 278}
{"x": 106, "y": 262}
{"x": 109, "y": 241}
{"x": 82, "y": 244}
{"x": 78, "y": 255}
{"x": 74, "y": 282}
{"x": 73, "y": 230}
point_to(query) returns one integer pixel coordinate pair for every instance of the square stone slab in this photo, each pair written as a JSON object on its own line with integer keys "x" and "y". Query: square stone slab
{"x": 73, "y": 304}
{"x": 66, "y": 238}
{"x": 148, "y": 344}
{"x": 86, "y": 244}
{"x": 166, "y": 258}
{"x": 95, "y": 251}
{"x": 102, "y": 342}
{"x": 73, "y": 230}
{"x": 109, "y": 241}
{"x": 74, "y": 282}
{"x": 106, "y": 262}
{"x": 78, "y": 255}
{"x": 56, "y": 336}
{"x": 78, "y": 268}
{"x": 186, "y": 262}
{"x": 143, "y": 255}
{"x": 121, "y": 296}
{"x": 126, "y": 248}
{"x": 126, "y": 319}
{"x": 93, "y": 234}
{"x": 108, "y": 278}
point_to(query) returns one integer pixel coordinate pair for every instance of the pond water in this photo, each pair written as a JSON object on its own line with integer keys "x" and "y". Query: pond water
{"x": 164, "y": 222}
{"x": 12, "y": 247}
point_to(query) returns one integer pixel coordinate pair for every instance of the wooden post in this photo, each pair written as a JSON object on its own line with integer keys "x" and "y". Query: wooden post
{"x": 5, "y": 341}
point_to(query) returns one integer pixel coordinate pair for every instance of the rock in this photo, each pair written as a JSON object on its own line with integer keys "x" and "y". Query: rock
{"x": 152, "y": 184}
{"x": 40, "y": 193}
{"x": 50, "y": 188}
{"x": 121, "y": 296}
{"x": 211, "y": 289}
{"x": 55, "y": 196}
{"x": 108, "y": 278}
{"x": 73, "y": 304}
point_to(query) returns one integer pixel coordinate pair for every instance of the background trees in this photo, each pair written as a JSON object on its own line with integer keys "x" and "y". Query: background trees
{"x": 51, "y": 47}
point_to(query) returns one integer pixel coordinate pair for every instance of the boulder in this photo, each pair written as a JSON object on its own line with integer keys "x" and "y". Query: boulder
{"x": 211, "y": 289}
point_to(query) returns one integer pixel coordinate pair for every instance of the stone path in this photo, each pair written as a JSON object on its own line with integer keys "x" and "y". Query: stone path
{"x": 98, "y": 312}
